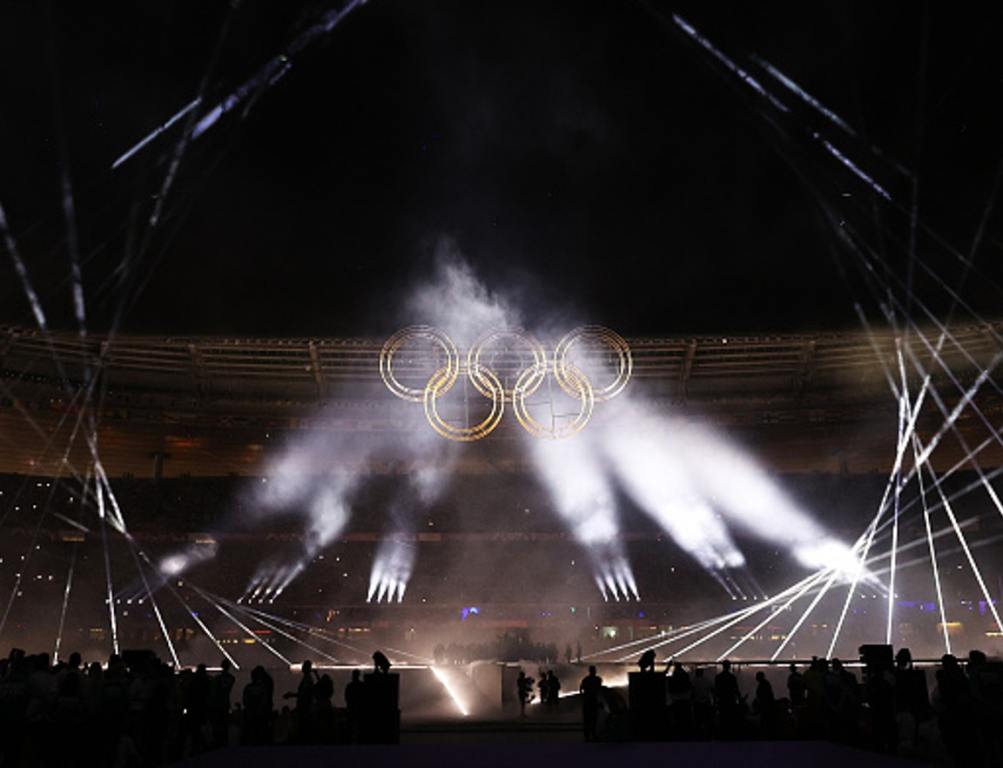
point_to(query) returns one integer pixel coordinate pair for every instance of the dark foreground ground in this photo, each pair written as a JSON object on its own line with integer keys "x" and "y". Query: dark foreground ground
{"x": 559, "y": 754}
{"x": 525, "y": 745}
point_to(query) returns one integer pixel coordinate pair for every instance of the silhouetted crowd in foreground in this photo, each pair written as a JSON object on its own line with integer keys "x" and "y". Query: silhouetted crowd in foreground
{"x": 138, "y": 711}
{"x": 887, "y": 708}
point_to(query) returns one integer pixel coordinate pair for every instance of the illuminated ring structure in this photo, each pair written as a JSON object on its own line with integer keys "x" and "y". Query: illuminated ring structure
{"x": 585, "y": 395}
{"x": 399, "y": 339}
{"x": 571, "y": 379}
{"x": 464, "y": 434}
{"x": 566, "y": 376}
{"x": 477, "y": 371}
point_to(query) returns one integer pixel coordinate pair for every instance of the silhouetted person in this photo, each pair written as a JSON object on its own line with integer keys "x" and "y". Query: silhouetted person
{"x": 680, "y": 694}
{"x": 69, "y": 718}
{"x": 544, "y": 686}
{"x": 703, "y": 707}
{"x": 814, "y": 718}
{"x": 647, "y": 661}
{"x": 578, "y": 651}
{"x": 765, "y": 705}
{"x": 381, "y": 663}
{"x": 903, "y": 659}
{"x": 590, "y": 689}
{"x": 196, "y": 702}
{"x": 728, "y": 699}
{"x": 553, "y": 689}
{"x": 879, "y": 690}
{"x": 795, "y": 687}
{"x": 524, "y": 686}
{"x": 323, "y": 711}
{"x": 986, "y": 681}
{"x": 355, "y": 702}
{"x": 13, "y": 702}
{"x": 219, "y": 704}
{"x": 72, "y": 667}
{"x": 304, "y": 703}
{"x": 956, "y": 713}
{"x": 115, "y": 705}
{"x": 845, "y": 702}
{"x": 257, "y": 701}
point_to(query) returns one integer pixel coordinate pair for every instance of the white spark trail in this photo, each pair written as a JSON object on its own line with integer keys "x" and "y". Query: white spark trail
{"x": 806, "y": 97}
{"x": 22, "y": 271}
{"x": 277, "y": 67}
{"x": 165, "y": 126}
{"x": 727, "y": 62}
{"x": 853, "y": 167}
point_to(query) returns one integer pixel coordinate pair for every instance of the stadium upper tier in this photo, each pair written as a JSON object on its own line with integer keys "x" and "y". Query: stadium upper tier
{"x": 287, "y": 369}
{"x": 211, "y": 406}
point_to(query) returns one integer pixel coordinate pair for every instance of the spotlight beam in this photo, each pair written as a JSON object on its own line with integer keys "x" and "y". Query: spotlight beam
{"x": 670, "y": 634}
{"x": 112, "y": 621}
{"x": 275, "y": 628}
{"x": 184, "y": 603}
{"x": 247, "y": 630}
{"x": 776, "y": 612}
{"x": 968, "y": 553}
{"x": 739, "y": 616}
{"x": 919, "y": 462}
{"x": 954, "y": 380}
{"x": 804, "y": 588}
{"x": 319, "y": 634}
{"x": 66, "y": 600}
{"x": 933, "y": 551}
{"x": 904, "y": 415}
{"x": 804, "y": 616}
{"x": 968, "y": 451}
{"x": 872, "y": 528}
{"x": 153, "y": 602}
{"x": 450, "y": 690}
{"x": 984, "y": 373}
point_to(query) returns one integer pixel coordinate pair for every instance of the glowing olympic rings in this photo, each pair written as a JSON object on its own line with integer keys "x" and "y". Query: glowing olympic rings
{"x": 563, "y": 370}
{"x": 395, "y": 342}
{"x": 571, "y": 379}
{"x": 477, "y": 370}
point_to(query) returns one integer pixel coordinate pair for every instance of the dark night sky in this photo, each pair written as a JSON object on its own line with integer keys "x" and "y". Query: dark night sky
{"x": 579, "y": 153}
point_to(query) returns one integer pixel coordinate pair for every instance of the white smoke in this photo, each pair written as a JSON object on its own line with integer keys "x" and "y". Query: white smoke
{"x": 457, "y": 302}
{"x": 691, "y": 480}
